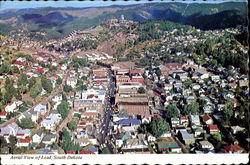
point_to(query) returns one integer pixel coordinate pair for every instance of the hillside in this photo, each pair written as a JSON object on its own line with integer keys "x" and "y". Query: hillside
{"x": 64, "y": 20}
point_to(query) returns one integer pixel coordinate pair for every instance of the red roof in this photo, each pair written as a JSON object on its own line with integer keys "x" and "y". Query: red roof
{"x": 156, "y": 117}
{"x": 55, "y": 76}
{"x": 3, "y": 113}
{"x": 40, "y": 70}
{"x": 26, "y": 140}
{"x": 85, "y": 152}
{"x": 91, "y": 96}
{"x": 70, "y": 152}
{"x": 184, "y": 118}
{"x": 135, "y": 71}
{"x": 172, "y": 64}
{"x": 213, "y": 127}
{"x": 6, "y": 134}
{"x": 19, "y": 63}
{"x": 19, "y": 134}
{"x": 156, "y": 94}
{"x": 231, "y": 148}
{"x": 206, "y": 117}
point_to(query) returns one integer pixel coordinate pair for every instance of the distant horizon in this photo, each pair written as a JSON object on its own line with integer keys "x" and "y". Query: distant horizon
{"x": 97, "y": 3}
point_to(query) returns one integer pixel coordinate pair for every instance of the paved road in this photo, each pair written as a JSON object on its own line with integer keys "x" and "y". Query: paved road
{"x": 108, "y": 110}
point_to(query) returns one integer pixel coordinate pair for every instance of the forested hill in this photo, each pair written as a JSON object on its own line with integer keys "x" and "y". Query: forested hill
{"x": 65, "y": 20}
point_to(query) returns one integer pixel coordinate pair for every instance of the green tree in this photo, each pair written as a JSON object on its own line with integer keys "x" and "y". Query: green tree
{"x": 67, "y": 143}
{"x": 26, "y": 123}
{"x": 63, "y": 108}
{"x": 158, "y": 127}
{"x": 67, "y": 88}
{"x": 36, "y": 89}
{"x": 58, "y": 81}
{"x": 32, "y": 82}
{"x": 172, "y": 111}
{"x": 144, "y": 62}
{"x": 228, "y": 111}
{"x": 72, "y": 125}
{"x": 191, "y": 109}
{"x": 141, "y": 90}
{"x": 3, "y": 142}
{"x": 12, "y": 142}
{"x": 47, "y": 84}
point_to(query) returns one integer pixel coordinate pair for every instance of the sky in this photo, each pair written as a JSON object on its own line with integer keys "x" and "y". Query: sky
{"x": 96, "y": 3}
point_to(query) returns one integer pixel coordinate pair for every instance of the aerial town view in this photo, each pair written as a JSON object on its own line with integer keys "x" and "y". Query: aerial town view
{"x": 136, "y": 78}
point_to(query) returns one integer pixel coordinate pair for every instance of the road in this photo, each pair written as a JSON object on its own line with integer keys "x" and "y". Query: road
{"x": 108, "y": 110}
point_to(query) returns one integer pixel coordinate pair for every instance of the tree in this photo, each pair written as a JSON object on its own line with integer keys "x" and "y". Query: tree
{"x": 3, "y": 142}
{"x": 191, "y": 109}
{"x": 67, "y": 143}
{"x": 172, "y": 111}
{"x": 77, "y": 115}
{"x": 9, "y": 89}
{"x": 72, "y": 125}
{"x": 12, "y": 142}
{"x": 26, "y": 123}
{"x": 144, "y": 62}
{"x": 158, "y": 127}
{"x": 63, "y": 108}
{"x": 141, "y": 90}
{"x": 67, "y": 88}
{"x": 32, "y": 82}
{"x": 228, "y": 111}
{"x": 47, "y": 84}
{"x": 36, "y": 89}
{"x": 58, "y": 81}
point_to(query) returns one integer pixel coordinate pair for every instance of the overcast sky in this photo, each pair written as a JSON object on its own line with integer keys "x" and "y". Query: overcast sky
{"x": 35, "y": 4}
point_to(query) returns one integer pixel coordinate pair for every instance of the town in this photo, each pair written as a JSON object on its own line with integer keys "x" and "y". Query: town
{"x": 71, "y": 96}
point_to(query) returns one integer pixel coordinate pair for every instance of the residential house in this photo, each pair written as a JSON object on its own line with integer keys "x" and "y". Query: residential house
{"x": 51, "y": 121}
{"x": 186, "y": 137}
{"x": 236, "y": 129}
{"x": 213, "y": 129}
{"x": 22, "y": 133}
{"x": 38, "y": 136}
{"x": 24, "y": 142}
{"x": 49, "y": 139}
{"x": 12, "y": 107}
{"x": 194, "y": 120}
{"x": 207, "y": 119}
{"x": 206, "y": 145}
{"x": 175, "y": 121}
{"x": 3, "y": 115}
{"x": 232, "y": 149}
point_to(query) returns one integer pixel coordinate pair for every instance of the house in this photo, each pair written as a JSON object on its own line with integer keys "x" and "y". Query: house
{"x": 232, "y": 149}
{"x": 23, "y": 142}
{"x": 186, "y": 137}
{"x": 208, "y": 109}
{"x": 37, "y": 137}
{"x": 18, "y": 64}
{"x": 10, "y": 129}
{"x": 236, "y": 129}
{"x": 135, "y": 146}
{"x": 22, "y": 133}
{"x": 71, "y": 82}
{"x": 12, "y": 107}
{"x": 49, "y": 139}
{"x": 151, "y": 138}
{"x": 169, "y": 147}
{"x": 41, "y": 108}
{"x": 213, "y": 129}
{"x": 129, "y": 125}
{"x": 206, "y": 145}
{"x": 198, "y": 131}
{"x": 207, "y": 119}
{"x": 184, "y": 120}
{"x": 51, "y": 121}
{"x": 175, "y": 121}
{"x": 3, "y": 115}
{"x": 57, "y": 98}
{"x": 194, "y": 119}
